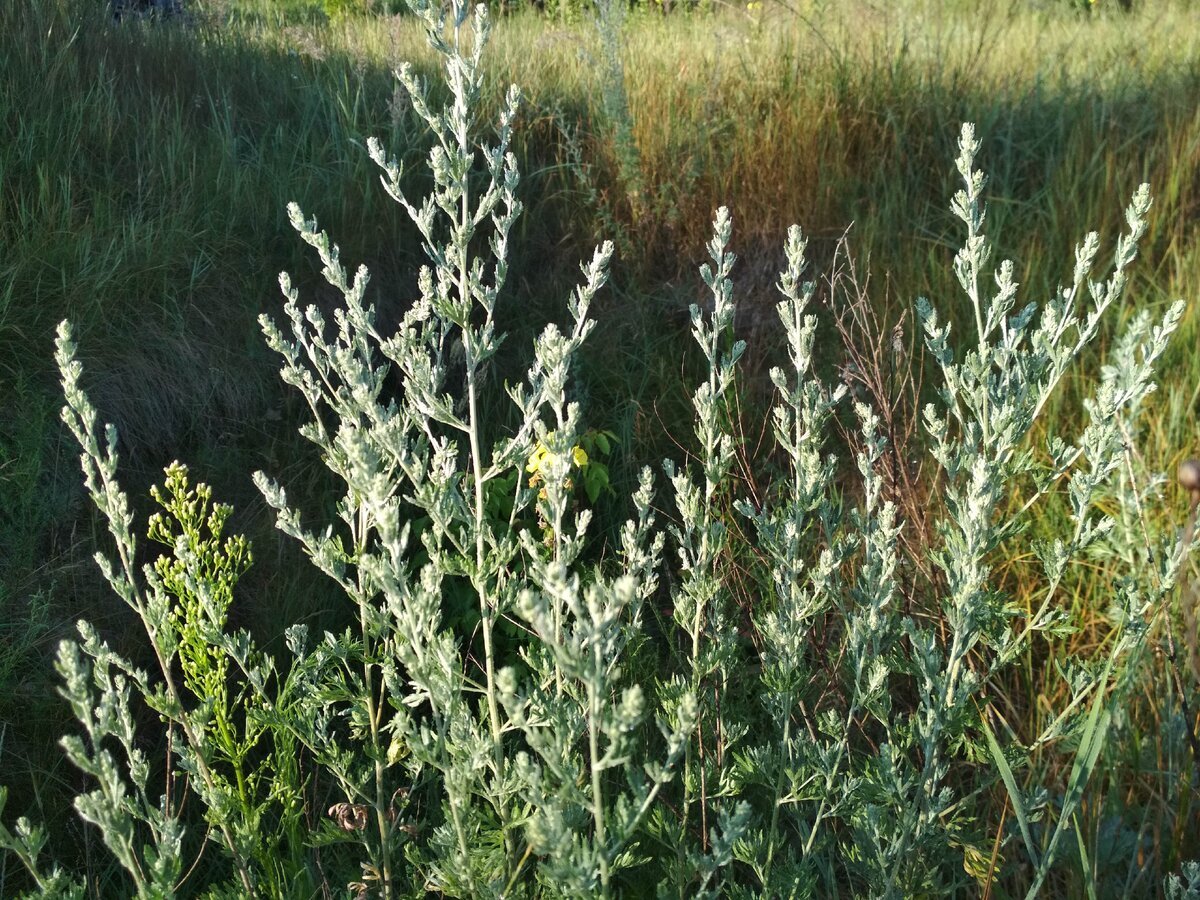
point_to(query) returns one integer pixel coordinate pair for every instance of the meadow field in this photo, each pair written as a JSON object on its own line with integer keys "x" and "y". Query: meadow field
{"x": 950, "y": 711}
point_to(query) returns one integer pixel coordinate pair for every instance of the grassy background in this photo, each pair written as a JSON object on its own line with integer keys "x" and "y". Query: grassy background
{"x": 145, "y": 170}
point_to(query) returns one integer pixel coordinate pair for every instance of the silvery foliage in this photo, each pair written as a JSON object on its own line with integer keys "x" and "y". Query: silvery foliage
{"x": 521, "y": 755}
{"x": 393, "y": 709}
{"x": 26, "y": 843}
{"x": 891, "y": 808}
{"x": 469, "y": 767}
{"x": 142, "y": 829}
{"x": 990, "y": 400}
{"x": 1185, "y": 886}
{"x": 701, "y": 603}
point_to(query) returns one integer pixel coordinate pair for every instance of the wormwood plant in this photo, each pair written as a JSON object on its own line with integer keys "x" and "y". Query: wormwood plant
{"x": 839, "y": 742}
{"x": 894, "y": 809}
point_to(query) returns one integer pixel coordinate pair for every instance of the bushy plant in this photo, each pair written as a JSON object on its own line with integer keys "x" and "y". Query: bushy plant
{"x": 834, "y": 739}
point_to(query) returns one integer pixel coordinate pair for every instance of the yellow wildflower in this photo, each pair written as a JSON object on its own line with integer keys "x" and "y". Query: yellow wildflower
{"x": 542, "y": 459}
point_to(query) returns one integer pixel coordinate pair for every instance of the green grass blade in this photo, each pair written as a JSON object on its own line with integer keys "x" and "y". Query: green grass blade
{"x": 1090, "y": 744}
{"x": 1014, "y": 792}
{"x": 1088, "y": 881}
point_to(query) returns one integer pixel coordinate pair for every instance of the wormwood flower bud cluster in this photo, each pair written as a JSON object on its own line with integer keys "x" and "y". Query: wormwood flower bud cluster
{"x": 829, "y": 738}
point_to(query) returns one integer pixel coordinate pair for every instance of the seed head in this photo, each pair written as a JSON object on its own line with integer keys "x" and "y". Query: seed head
{"x": 1189, "y": 475}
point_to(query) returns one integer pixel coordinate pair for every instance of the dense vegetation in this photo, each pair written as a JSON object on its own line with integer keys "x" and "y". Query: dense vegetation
{"x": 144, "y": 187}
